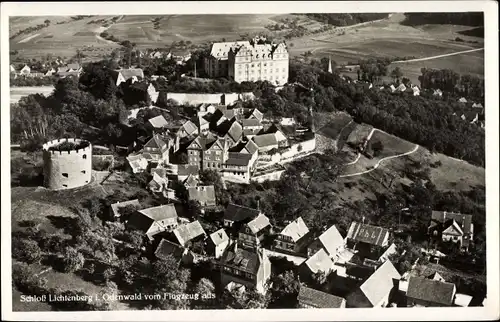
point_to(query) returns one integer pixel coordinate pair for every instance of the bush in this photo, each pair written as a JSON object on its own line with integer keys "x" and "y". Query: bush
{"x": 72, "y": 260}
{"x": 26, "y": 250}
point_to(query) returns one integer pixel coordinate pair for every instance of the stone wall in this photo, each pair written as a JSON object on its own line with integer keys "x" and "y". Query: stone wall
{"x": 67, "y": 169}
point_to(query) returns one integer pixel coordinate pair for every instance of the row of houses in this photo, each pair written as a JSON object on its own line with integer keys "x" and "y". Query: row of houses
{"x": 73, "y": 69}
{"x": 357, "y": 269}
{"x": 227, "y": 139}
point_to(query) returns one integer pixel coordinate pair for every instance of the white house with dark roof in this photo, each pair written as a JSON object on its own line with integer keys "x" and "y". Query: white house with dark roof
{"x": 205, "y": 195}
{"x": 454, "y": 227}
{"x": 236, "y": 215}
{"x": 426, "y": 292}
{"x": 154, "y": 220}
{"x": 253, "y": 232}
{"x": 293, "y": 238}
{"x": 238, "y": 166}
{"x": 331, "y": 241}
{"x": 156, "y": 150}
{"x": 219, "y": 241}
{"x": 376, "y": 290}
{"x": 310, "y": 298}
{"x": 251, "y": 268}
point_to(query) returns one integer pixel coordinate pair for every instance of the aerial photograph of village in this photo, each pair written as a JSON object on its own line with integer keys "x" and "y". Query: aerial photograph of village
{"x": 247, "y": 161}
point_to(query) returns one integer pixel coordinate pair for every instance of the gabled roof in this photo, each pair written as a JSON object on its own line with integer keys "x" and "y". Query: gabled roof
{"x": 115, "y": 208}
{"x": 219, "y": 237}
{"x": 166, "y": 247}
{"x": 437, "y": 277}
{"x": 319, "y": 299}
{"x": 462, "y": 100}
{"x": 295, "y": 230}
{"x": 156, "y": 142}
{"x": 401, "y": 88}
{"x": 202, "y": 193}
{"x": 158, "y": 121}
{"x": 187, "y": 232}
{"x": 242, "y": 259}
{"x": 257, "y": 114}
{"x": 186, "y": 169}
{"x": 265, "y": 140}
{"x": 259, "y": 223}
{"x": 454, "y": 226}
{"x": 162, "y": 172}
{"x": 238, "y": 213}
{"x": 320, "y": 261}
{"x": 477, "y": 105}
{"x": 251, "y": 147}
{"x": 445, "y": 219}
{"x": 462, "y": 300}
{"x": 431, "y": 290}
{"x": 380, "y": 283}
{"x": 160, "y": 212}
{"x": 251, "y": 123}
{"x": 137, "y": 162}
{"x": 157, "y": 179}
{"x": 235, "y": 131}
{"x": 129, "y": 73}
{"x": 220, "y": 50}
{"x": 189, "y": 127}
{"x": 202, "y": 121}
{"x": 238, "y": 159}
{"x": 388, "y": 252}
{"x": 190, "y": 181}
{"x": 331, "y": 240}
{"x": 369, "y": 234}
{"x": 74, "y": 66}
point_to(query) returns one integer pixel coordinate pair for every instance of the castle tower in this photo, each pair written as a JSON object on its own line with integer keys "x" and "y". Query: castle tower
{"x": 67, "y": 163}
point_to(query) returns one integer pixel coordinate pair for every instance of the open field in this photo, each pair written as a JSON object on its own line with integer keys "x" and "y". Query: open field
{"x": 17, "y": 92}
{"x": 385, "y": 38}
{"x": 392, "y": 144}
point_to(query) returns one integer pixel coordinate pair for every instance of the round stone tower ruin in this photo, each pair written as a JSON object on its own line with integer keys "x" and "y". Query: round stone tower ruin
{"x": 67, "y": 163}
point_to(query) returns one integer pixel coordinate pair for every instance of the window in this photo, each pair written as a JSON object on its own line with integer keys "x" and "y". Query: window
{"x": 84, "y": 156}
{"x": 64, "y": 174}
{"x": 283, "y": 69}
{"x": 65, "y": 185}
{"x": 83, "y": 171}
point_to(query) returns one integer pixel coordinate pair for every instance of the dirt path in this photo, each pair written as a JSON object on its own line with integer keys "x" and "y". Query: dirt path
{"x": 380, "y": 162}
{"x": 438, "y": 56}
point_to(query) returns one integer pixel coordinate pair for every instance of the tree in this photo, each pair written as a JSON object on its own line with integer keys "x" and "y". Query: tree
{"x": 212, "y": 177}
{"x": 72, "y": 260}
{"x": 47, "y": 22}
{"x": 284, "y": 290}
{"x": 396, "y": 74}
{"x": 205, "y": 289}
{"x": 26, "y": 250}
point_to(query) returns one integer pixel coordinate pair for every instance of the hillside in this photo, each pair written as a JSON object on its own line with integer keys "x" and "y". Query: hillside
{"x": 449, "y": 18}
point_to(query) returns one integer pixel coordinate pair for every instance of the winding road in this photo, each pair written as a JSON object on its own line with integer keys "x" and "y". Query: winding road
{"x": 380, "y": 162}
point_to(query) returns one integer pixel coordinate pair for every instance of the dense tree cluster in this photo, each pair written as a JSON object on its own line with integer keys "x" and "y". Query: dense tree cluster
{"x": 449, "y": 81}
{"x": 32, "y": 81}
{"x": 444, "y": 18}
{"x": 346, "y": 19}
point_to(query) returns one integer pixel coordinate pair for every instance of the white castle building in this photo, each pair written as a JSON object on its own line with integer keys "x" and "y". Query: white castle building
{"x": 249, "y": 61}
